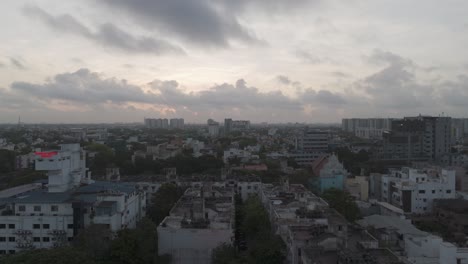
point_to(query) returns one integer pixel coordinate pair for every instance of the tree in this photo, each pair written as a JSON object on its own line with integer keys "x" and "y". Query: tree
{"x": 135, "y": 246}
{"x": 64, "y": 255}
{"x": 162, "y": 202}
{"x": 224, "y": 254}
{"x": 7, "y": 161}
{"x": 94, "y": 241}
{"x": 342, "y": 202}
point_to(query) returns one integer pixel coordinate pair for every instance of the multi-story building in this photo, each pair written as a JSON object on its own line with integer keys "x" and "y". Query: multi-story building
{"x": 176, "y": 123}
{"x": 414, "y": 190}
{"x": 157, "y": 123}
{"x": 200, "y": 221}
{"x": 52, "y": 216}
{"x": 213, "y": 128}
{"x": 459, "y": 129}
{"x": 417, "y": 138}
{"x": 370, "y": 128}
{"x": 309, "y": 146}
{"x": 235, "y": 125}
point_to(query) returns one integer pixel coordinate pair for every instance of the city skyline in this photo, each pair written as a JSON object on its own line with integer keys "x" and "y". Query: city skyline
{"x": 266, "y": 61}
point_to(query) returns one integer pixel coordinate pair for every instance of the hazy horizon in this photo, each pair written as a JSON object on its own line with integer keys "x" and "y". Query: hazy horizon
{"x": 275, "y": 61}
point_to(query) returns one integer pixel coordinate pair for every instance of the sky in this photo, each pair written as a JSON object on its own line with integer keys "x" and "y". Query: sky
{"x": 263, "y": 60}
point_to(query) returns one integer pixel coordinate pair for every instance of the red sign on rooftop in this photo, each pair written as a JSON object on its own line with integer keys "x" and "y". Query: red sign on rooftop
{"x": 46, "y": 154}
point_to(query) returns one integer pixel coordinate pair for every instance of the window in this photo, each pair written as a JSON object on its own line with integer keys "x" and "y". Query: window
{"x": 36, "y": 239}
{"x": 46, "y": 226}
{"x": 11, "y": 252}
{"x": 2, "y": 239}
{"x": 11, "y": 226}
{"x": 449, "y": 191}
{"x": 2, "y": 252}
{"x": 36, "y": 226}
{"x": 422, "y": 191}
{"x": 21, "y": 208}
{"x": 45, "y": 239}
{"x": 70, "y": 226}
{"x": 54, "y": 208}
{"x": 11, "y": 239}
{"x": 70, "y": 239}
{"x": 424, "y": 200}
{"x": 37, "y": 208}
{"x": 433, "y": 191}
{"x": 2, "y": 226}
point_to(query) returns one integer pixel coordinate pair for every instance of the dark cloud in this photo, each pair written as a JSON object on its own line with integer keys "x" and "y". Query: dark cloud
{"x": 84, "y": 87}
{"x": 17, "y": 64}
{"x": 307, "y": 57}
{"x": 395, "y": 86}
{"x": 283, "y": 79}
{"x": 107, "y": 34}
{"x": 385, "y": 57}
{"x": 455, "y": 93}
{"x": 339, "y": 74}
{"x": 198, "y": 22}
{"x": 322, "y": 98}
{"x": 268, "y": 6}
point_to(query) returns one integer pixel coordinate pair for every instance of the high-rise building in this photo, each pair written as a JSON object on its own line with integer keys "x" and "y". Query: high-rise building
{"x": 418, "y": 138}
{"x": 227, "y": 125}
{"x": 164, "y": 123}
{"x": 176, "y": 123}
{"x": 310, "y": 145}
{"x": 213, "y": 128}
{"x": 370, "y": 128}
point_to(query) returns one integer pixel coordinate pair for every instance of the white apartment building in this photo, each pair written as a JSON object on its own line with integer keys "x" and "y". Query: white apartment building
{"x": 366, "y": 127}
{"x": 243, "y": 155}
{"x": 51, "y": 216}
{"x": 200, "y": 221}
{"x": 414, "y": 190}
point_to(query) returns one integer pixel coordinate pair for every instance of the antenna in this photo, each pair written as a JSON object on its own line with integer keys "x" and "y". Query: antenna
{"x": 19, "y": 120}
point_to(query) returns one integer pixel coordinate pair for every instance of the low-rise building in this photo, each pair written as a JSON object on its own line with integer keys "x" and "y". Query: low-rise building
{"x": 414, "y": 190}
{"x": 358, "y": 187}
{"x": 329, "y": 173}
{"x": 200, "y": 221}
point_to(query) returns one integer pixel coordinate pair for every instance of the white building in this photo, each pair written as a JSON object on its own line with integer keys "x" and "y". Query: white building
{"x": 48, "y": 217}
{"x": 199, "y": 222}
{"x": 414, "y": 190}
{"x": 243, "y": 155}
{"x": 176, "y": 123}
{"x": 366, "y": 127}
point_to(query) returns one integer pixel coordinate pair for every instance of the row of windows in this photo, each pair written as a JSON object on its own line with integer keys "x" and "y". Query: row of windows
{"x": 3, "y": 252}
{"x": 35, "y": 226}
{"x": 35, "y": 239}
{"x": 47, "y": 226}
{"x": 38, "y": 208}
{"x": 434, "y": 191}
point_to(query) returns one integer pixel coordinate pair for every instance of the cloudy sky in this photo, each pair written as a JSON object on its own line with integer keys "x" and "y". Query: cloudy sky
{"x": 263, "y": 60}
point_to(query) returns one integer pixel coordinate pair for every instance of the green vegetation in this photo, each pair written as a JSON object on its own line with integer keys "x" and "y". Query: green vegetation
{"x": 352, "y": 161}
{"x": 163, "y": 200}
{"x": 262, "y": 245}
{"x": 342, "y": 202}
{"x": 16, "y": 178}
{"x": 7, "y": 161}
